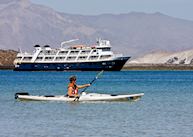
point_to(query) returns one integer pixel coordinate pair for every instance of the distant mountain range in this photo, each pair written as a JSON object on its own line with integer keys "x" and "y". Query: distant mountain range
{"x": 24, "y": 24}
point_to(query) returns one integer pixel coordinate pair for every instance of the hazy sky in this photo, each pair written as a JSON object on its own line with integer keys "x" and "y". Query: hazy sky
{"x": 175, "y": 8}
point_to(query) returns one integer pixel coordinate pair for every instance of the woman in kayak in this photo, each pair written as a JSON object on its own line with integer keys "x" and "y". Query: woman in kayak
{"x": 73, "y": 88}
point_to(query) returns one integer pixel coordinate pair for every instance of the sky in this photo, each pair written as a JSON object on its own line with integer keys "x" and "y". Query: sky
{"x": 175, "y": 8}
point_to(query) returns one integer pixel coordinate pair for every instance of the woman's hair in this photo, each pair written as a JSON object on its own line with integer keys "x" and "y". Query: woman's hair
{"x": 72, "y": 78}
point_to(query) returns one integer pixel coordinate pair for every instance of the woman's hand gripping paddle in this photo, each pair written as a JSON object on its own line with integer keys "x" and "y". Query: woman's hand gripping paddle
{"x": 97, "y": 76}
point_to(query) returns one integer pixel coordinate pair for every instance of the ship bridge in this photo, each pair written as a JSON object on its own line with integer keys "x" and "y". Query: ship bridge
{"x": 104, "y": 45}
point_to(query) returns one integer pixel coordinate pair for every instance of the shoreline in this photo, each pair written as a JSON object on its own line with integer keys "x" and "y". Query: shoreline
{"x": 136, "y": 67}
{"x": 157, "y": 67}
{"x": 7, "y": 67}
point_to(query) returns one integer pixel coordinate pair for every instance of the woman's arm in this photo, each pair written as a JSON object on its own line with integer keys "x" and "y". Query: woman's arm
{"x": 83, "y": 86}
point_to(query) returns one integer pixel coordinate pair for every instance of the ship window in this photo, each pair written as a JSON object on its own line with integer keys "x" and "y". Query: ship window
{"x": 85, "y": 52}
{"x": 105, "y": 49}
{"x": 63, "y": 52}
{"x": 74, "y": 52}
{"x": 82, "y": 58}
{"x": 50, "y": 52}
{"x": 39, "y": 57}
{"x": 60, "y": 58}
{"x": 71, "y": 58}
{"x": 105, "y": 56}
{"x": 19, "y": 57}
{"x": 27, "y": 58}
{"x": 93, "y": 57}
{"x": 49, "y": 58}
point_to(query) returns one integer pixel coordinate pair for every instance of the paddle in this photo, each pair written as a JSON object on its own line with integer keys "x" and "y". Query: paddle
{"x": 97, "y": 76}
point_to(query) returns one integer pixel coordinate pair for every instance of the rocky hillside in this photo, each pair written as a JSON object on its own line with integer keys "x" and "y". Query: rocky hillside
{"x": 24, "y": 24}
{"x": 7, "y": 57}
{"x": 183, "y": 57}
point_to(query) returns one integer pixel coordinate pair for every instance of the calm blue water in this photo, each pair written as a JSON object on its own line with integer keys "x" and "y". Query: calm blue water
{"x": 166, "y": 110}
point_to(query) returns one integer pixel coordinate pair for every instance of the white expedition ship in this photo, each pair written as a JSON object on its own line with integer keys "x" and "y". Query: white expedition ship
{"x": 77, "y": 57}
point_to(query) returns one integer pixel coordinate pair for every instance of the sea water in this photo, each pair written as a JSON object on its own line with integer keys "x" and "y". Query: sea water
{"x": 166, "y": 109}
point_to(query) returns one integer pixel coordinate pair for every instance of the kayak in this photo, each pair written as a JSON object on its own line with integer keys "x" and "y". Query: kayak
{"x": 83, "y": 97}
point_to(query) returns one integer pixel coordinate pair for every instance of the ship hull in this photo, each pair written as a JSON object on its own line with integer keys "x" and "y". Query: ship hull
{"x": 110, "y": 65}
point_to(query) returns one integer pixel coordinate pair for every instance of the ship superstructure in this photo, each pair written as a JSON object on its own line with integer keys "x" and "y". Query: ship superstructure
{"x": 76, "y": 57}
